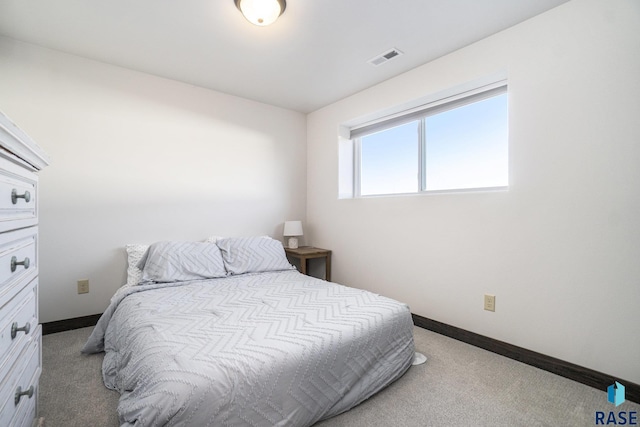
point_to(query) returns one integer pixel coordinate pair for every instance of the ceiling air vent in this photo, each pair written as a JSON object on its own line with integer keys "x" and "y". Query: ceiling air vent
{"x": 385, "y": 57}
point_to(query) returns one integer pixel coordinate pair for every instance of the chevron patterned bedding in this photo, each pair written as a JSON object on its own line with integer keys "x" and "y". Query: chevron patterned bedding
{"x": 264, "y": 349}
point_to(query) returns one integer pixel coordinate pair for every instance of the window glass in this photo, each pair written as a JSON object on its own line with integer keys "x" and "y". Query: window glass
{"x": 467, "y": 147}
{"x": 459, "y": 144}
{"x": 389, "y": 160}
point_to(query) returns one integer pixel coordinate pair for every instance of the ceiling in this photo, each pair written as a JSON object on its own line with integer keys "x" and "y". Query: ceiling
{"x": 314, "y": 55}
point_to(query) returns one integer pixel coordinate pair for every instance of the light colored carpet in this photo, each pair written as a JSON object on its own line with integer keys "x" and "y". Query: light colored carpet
{"x": 459, "y": 385}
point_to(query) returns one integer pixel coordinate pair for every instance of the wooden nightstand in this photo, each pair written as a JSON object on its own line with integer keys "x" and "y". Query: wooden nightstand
{"x": 305, "y": 253}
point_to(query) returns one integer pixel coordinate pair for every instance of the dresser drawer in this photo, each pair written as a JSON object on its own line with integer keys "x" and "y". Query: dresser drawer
{"x": 18, "y": 261}
{"x": 27, "y": 413}
{"x": 18, "y": 320}
{"x": 22, "y": 377}
{"x": 18, "y": 196}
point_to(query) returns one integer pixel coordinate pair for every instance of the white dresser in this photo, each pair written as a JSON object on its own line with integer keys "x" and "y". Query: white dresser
{"x": 20, "y": 332}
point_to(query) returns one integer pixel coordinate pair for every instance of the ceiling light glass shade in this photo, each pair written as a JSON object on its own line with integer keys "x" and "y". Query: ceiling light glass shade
{"x": 261, "y": 12}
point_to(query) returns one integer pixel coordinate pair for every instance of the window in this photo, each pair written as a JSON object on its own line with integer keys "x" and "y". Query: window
{"x": 460, "y": 143}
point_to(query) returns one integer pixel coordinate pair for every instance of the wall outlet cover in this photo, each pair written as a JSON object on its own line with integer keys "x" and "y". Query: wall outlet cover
{"x": 83, "y": 286}
{"x": 490, "y": 302}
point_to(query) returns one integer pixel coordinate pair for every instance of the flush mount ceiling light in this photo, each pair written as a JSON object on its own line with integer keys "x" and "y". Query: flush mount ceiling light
{"x": 261, "y": 12}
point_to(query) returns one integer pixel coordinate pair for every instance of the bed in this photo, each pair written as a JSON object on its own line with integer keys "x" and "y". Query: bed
{"x": 229, "y": 333}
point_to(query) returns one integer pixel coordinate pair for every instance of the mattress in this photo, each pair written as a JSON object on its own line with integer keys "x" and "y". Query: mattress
{"x": 264, "y": 349}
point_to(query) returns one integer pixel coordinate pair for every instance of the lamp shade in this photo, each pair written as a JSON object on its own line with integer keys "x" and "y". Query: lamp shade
{"x": 292, "y": 228}
{"x": 261, "y": 12}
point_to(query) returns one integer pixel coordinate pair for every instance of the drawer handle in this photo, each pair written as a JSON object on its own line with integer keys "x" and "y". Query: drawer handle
{"x": 15, "y": 263}
{"x": 15, "y": 196}
{"x": 20, "y": 393}
{"x": 15, "y": 329}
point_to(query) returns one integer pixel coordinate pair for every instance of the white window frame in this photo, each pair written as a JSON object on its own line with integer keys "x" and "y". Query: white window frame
{"x": 421, "y": 112}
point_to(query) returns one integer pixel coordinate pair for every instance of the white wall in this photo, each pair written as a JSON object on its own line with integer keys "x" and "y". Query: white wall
{"x": 136, "y": 159}
{"x": 561, "y": 248}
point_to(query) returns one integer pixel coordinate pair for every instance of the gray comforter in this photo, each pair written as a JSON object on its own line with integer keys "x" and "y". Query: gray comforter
{"x": 267, "y": 349}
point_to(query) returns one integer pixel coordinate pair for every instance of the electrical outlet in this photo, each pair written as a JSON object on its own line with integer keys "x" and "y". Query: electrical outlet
{"x": 83, "y": 286}
{"x": 489, "y": 302}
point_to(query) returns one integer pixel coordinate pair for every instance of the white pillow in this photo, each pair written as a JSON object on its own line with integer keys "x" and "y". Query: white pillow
{"x": 181, "y": 261}
{"x": 134, "y": 255}
{"x": 253, "y": 254}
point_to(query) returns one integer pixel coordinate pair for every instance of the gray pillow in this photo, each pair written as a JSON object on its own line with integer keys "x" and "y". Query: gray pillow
{"x": 180, "y": 261}
{"x": 253, "y": 255}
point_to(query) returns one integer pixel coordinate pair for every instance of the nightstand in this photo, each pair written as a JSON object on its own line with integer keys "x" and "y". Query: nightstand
{"x": 305, "y": 253}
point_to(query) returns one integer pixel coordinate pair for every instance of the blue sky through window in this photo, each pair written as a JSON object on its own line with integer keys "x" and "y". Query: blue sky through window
{"x": 466, "y": 147}
{"x": 390, "y": 161}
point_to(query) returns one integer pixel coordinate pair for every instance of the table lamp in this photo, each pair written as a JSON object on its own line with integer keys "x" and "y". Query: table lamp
{"x": 291, "y": 230}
